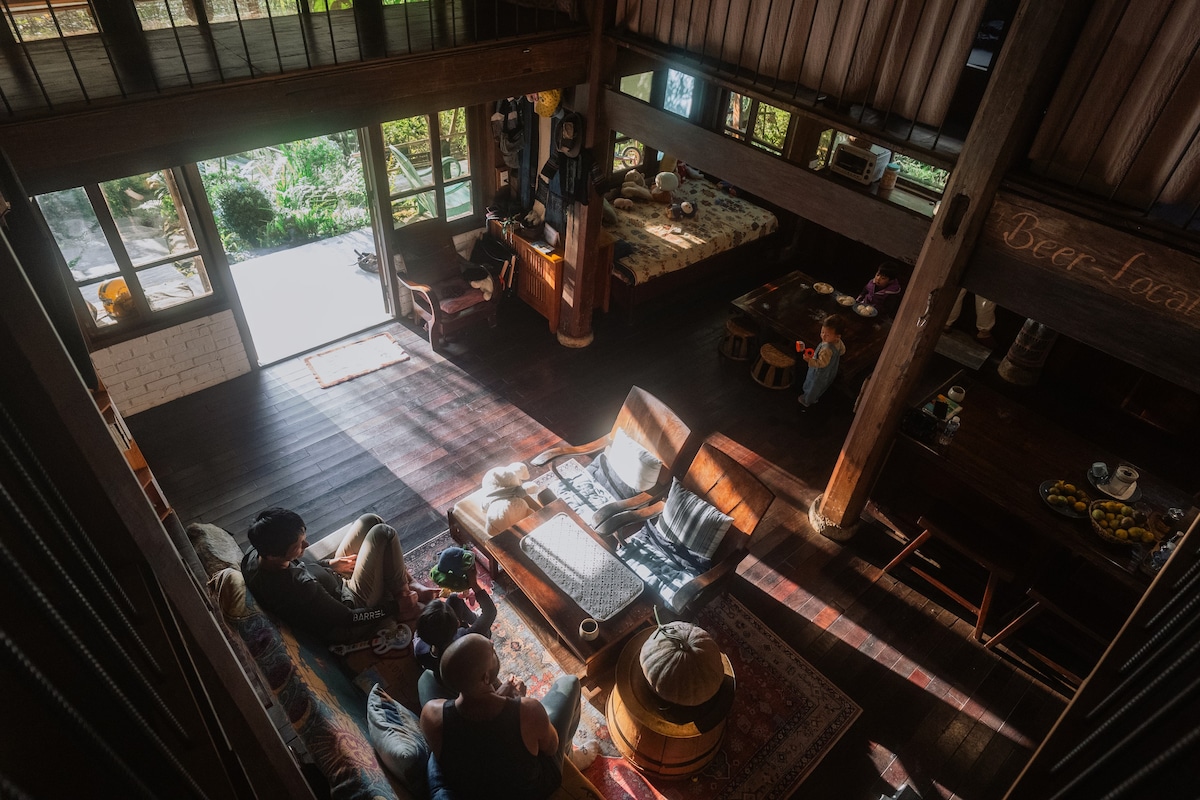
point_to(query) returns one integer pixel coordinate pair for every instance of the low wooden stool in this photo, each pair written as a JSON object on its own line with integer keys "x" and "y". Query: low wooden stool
{"x": 774, "y": 368}
{"x": 999, "y": 564}
{"x": 737, "y": 341}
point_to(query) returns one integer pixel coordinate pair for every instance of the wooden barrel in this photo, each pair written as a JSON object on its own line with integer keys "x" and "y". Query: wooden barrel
{"x": 661, "y": 738}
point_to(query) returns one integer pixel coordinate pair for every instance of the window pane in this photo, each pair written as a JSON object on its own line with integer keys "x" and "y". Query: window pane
{"x": 71, "y": 18}
{"x": 411, "y": 209}
{"x": 144, "y": 211}
{"x": 771, "y": 126}
{"x": 172, "y": 284}
{"x": 458, "y": 200}
{"x": 916, "y": 171}
{"x": 118, "y": 302}
{"x": 77, "y": 231}
{"x": 679, "y": 93}
{"x": 638, "y": 85}
{"x": 627, "y": 153}
{"x": 409, "y": 153}
{"x": 737, "y": 115}
{"x": 456, "y": 153}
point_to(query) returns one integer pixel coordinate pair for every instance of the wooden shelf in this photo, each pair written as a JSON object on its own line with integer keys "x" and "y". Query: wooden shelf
{"x": 124, "y": 441}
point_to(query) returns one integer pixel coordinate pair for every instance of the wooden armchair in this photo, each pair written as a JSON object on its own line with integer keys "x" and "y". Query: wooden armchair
{"x": 643, "y": 417}
{"x": 443, "y": 299}
{"x": 716, "y": 476}
{"x": 647, "y": 421}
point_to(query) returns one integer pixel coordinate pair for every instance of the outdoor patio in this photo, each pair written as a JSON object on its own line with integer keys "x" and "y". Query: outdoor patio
{"x": 300, "y": 299}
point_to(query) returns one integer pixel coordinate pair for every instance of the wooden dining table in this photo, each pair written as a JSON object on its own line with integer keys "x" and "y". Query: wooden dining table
{"x": 992, "y": 470}
{"x": 793, "y": 310}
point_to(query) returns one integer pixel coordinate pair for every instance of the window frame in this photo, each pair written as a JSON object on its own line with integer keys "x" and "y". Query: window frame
{"x": 146, "y": 320}
{"x": 440, "y": 184}
{"x": 748, "y": 138}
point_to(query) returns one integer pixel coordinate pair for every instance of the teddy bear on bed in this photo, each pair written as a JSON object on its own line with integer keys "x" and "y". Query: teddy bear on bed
{"x": 664, "y": 184}
{"x": 506, "y": 502}
{"x": 634, "y": 187}
{"x": 684, "y": 210}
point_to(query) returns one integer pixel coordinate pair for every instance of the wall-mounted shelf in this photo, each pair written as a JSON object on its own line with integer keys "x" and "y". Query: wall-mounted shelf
{"x": 124, "y": 441}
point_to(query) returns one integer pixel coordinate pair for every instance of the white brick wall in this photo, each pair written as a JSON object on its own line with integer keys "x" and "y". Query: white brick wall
{"x": 150, "y": 370}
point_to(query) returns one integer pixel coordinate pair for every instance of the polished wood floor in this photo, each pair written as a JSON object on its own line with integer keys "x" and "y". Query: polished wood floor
{"x": 940, "y": 712}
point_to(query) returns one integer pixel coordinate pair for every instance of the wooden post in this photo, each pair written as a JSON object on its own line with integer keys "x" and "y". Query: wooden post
{"x": 580, "y": 261}
{"x": 1028, "y": 67}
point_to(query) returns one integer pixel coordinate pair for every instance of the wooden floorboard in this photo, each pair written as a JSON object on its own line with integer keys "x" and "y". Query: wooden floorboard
{"x": 939, "y": 711}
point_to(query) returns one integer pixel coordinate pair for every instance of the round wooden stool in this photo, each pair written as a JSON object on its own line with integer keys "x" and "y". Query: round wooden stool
{"x": 738, "y": 340}
{"x": 774, "y": 368}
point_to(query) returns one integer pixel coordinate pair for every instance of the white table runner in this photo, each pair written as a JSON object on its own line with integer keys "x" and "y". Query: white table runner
{"x": 593, "y": 577}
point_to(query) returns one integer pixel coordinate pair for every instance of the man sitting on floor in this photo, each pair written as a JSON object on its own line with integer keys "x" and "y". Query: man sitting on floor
{"x": 492, "y": 741}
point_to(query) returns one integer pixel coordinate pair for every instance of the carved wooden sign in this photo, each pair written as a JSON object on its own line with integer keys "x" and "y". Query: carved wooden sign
{"x": 1164, "y": 281}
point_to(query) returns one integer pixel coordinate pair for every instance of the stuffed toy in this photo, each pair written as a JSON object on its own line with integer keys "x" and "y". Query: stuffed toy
{"x": 450, "y": 571}
{"x": 506, "y": 502}
{"x": 688, "y": 209}
{"x": 634, "y": 186}
{"x": 623, "y": 203}
{"x": 486, "y": 286}
{"x": 726, "y": 186}
{"x": 664, "y": 184}
{"x": 675, "y": 211}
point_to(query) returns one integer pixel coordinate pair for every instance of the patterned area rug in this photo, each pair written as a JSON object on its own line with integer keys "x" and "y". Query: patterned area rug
{"x": 786, "y": 716}
{"x": 350, "y": 361}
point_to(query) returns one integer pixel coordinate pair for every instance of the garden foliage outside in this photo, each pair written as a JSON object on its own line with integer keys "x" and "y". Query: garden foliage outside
{"x": 287, "y": 195}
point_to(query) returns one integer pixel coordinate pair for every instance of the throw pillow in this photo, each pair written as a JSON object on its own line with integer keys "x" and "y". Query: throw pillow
{"x": 695, "y": 524}
{"x": 214, "y": 546}
{"x": 395, "y": 734}
{"x": 228, "y": 588}
{"x": 633, "y": 464}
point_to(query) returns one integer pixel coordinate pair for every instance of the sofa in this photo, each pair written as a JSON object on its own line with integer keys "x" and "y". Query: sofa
{"x": 324, "y": 706}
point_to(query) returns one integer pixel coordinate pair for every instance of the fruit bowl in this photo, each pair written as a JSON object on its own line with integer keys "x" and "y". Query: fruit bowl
{"x": 1065, "y": 498}
{"x": 1114, "y": 521}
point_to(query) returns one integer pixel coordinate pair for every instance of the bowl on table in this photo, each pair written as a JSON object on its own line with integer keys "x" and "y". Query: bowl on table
{"x": 1112, "y": 524}
{"x": 844, "y": 300}
{"x": 823, "y": 288}
{"x": 864, "y": 310}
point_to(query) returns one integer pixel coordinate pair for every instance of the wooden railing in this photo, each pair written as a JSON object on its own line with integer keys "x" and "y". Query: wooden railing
{"x": 53, "y": 56}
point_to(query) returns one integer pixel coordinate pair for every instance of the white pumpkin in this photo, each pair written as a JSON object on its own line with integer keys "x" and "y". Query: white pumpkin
{"x": 682, "y": 663}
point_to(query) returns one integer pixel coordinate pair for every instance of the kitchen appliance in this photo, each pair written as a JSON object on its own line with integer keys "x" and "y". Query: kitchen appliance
{"x": 862, "y": 164}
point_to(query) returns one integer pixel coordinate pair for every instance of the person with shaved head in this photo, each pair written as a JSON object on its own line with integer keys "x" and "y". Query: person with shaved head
{"x": 492, "y": 741}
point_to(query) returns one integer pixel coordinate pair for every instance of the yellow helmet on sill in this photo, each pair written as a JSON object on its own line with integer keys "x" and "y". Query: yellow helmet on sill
{"x": 115, "y": 296}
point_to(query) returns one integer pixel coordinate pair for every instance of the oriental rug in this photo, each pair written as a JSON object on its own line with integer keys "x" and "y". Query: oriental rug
{"x": 350, "y": 361}
{"x": 786, "y": 717}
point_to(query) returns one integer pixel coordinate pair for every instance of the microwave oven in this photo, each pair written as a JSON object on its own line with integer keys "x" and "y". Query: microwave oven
{"x": 861, "y": 164}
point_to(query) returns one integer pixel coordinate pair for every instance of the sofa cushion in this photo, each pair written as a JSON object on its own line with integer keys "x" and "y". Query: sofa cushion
{"x": 396, "y": 736}
{"x": 636, "y": 466}
{"x": 228, "y": 588}
{"x": 693, "y": 522}
{"x": 664, "y": 574}
{"x": 215, "y": 548}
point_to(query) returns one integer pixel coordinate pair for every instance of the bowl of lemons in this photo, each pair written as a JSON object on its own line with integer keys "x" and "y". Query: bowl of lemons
{"x": 1117, "y": 522}
{"x": 1065, "y": 498}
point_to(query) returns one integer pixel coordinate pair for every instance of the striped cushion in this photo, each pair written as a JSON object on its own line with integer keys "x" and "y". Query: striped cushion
{"x": 693, "y": 523}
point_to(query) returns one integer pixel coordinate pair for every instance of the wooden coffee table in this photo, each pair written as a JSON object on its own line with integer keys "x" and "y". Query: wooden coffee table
{"x": 560, "y": 610}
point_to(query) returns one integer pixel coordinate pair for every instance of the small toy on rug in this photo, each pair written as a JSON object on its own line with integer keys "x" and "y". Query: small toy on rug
{"x": 623, "y": 203}
{"x": 726, "y": 186}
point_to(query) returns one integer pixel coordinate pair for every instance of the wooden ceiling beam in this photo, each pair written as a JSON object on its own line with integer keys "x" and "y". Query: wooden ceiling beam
{"x": 134, "y": 136}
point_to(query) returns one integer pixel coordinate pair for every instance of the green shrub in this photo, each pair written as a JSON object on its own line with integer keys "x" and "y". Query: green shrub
{"x": 245, "y": 210}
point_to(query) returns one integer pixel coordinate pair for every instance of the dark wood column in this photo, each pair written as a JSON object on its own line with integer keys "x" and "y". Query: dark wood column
{"x": 1026, "y": 73}
{"x": 584, "y": 222}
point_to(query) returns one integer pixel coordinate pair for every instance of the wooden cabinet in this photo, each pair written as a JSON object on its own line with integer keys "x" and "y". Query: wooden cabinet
{"x": 133, "y": 454}
{"x": 539, "y": 275}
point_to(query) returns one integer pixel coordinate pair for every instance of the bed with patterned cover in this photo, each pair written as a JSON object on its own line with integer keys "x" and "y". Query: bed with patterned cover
{"x": 662, "y": 249}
